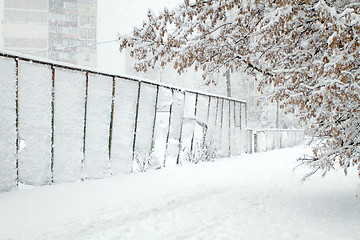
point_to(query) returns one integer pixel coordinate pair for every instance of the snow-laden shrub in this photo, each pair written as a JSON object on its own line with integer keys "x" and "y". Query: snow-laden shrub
{"x": 202, "y": 152}
{"x": 142, "y": 161}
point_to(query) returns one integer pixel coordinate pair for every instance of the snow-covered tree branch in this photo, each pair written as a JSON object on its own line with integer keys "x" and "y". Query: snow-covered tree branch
{"x": 308, "y": 52}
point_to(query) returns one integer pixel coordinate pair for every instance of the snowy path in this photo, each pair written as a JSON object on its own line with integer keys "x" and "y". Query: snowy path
{"x": 249, "y": 197}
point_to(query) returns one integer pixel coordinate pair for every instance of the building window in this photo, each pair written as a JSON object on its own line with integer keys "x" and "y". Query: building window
{"x": 71, "y": 18}
{"x": 69, "y": 5}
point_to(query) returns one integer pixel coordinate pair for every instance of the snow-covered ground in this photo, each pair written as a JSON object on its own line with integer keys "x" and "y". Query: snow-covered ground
{"x": 248, "y": 197}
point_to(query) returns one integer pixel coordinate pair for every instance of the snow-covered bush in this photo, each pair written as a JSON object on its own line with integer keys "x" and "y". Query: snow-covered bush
{"x": 306, "y": 53}
{"x": 142, "y": 161}
{"x": 202, "y": 152}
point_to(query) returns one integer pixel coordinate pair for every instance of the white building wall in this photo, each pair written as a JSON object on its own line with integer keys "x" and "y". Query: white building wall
{"x": 1, "y": 24}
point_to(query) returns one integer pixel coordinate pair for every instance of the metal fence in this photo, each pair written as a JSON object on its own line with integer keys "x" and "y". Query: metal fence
{"x": 63, "y": 123}
{"x": 263, "y": 140}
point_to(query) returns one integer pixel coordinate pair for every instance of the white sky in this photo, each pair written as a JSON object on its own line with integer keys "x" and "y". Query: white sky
{"x": 119, "y": 16}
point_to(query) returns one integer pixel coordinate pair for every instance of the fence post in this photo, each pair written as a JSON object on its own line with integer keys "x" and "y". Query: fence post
{"x": 52, "y": 123}
{"x": 111, "y": 117}
{"x": 240, "y": 116}
{"x": 234, "y": 113}
{"x": 246, "y": 114}
{"x": 181, "y": 129}
{"x": 168, "y": 133}
{"x": 17, "y": 119}
{"x": 256, "y": 145}
{"x": 217, "y": 111}
{"x": 207, "y": 121}
{"x": 229, "y": 127}
{"x": 136, "y": 121}
{"x": 208, "y": 111}
{"x": 221, "y": 119}
{"x": 193, "y": 134}
{"x": 274, "y": 139}
{"x": 84, "y": 134}
{"x": 154, "y": 120}
{"x": 266, "y": 140}
{"x": 238, "y": 146}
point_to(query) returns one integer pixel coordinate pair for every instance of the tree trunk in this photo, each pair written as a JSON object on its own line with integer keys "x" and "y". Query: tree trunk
{"x": 228, "y": 83}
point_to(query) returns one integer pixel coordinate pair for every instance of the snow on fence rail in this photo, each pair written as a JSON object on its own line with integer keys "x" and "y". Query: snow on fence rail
{"x": 62, "y": 123}
{"x": 263, "y": 140}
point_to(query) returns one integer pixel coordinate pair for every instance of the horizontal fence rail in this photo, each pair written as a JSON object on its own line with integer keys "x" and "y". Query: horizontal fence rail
{"x": 62, "y": 123}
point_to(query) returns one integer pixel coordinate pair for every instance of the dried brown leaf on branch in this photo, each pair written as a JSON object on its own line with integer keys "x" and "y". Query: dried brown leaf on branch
{"x": 308, "y": 52}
